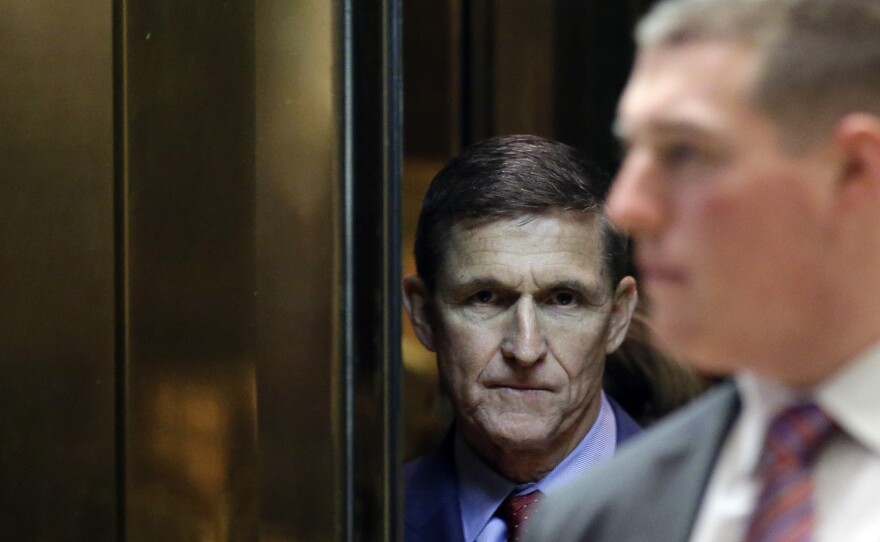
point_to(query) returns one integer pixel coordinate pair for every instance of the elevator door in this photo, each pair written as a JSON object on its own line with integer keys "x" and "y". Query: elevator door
{"x": 200, "y": 327}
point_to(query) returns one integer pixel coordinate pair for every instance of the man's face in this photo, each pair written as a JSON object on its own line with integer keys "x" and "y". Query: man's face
{"x": 521, "y": 320}
{"x": 732, "y": 231}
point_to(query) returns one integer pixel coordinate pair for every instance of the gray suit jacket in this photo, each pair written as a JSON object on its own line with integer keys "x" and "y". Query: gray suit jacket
{"x": 651, "y": 490}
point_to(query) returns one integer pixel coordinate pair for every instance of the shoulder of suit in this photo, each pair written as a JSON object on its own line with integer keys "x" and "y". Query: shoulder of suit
{"x": 690, "y": 419}
{"x": 608, "y": 490}
{"x": 427, "y": 472}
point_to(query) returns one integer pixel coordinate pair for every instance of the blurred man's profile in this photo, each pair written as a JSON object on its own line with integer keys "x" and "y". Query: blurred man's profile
{"x": 751, "y": 188}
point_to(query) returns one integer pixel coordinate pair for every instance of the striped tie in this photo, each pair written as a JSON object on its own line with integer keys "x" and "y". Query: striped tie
{"x": 515, "y": 511}
{"x": 784, "y": 510}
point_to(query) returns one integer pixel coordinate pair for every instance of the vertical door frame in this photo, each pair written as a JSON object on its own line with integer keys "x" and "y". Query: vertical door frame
{"x": 370, "y": 83}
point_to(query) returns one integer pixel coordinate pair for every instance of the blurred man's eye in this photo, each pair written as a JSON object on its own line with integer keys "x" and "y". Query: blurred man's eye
{"x": 678, "y": 154}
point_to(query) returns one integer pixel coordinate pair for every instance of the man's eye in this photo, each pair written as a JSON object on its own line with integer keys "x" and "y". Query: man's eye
{"x": 562, "y": 298}
{"x": 678, "y": 154}
{"x": 484, "y": 296}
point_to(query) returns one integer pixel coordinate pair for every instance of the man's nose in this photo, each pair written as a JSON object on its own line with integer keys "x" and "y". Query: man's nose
{"x": 524, "y": 342}
{"x": 636, "y": 202}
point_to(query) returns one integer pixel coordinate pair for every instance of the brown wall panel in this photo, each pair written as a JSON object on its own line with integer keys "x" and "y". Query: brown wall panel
{"x": 57, "y": 462}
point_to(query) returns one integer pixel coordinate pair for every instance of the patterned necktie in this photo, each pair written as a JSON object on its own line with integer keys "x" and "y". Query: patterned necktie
{"x": 784, "y": 510}
{"x": 515, "y": 511}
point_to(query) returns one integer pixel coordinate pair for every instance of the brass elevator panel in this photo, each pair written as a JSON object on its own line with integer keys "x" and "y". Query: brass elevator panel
{"x": 169, "y": 249}
{"x": 187, "y": 140}
{"x": 57, "y": 343}
{"x": 199, "y": 270}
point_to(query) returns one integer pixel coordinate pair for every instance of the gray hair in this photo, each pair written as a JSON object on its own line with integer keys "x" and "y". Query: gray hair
{"x": 818, "y": 59}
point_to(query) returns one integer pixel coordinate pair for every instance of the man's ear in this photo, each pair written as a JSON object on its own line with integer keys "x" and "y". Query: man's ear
{"x": 625, "y": 298}
{"x": 417, "y": 302}
{"x": 857, "y": 139}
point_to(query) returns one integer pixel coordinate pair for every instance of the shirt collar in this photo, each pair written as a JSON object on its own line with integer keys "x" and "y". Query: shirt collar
{"x": 482, "y": 489}
{"x": 849, "y": 398}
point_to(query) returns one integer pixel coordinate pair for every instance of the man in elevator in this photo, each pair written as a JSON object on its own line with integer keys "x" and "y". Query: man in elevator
{"x": 751, "y": 186}
{"x": 521, "y": 292}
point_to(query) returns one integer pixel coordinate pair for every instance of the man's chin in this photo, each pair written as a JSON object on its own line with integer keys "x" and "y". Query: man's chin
{"x": 522, "y": 441}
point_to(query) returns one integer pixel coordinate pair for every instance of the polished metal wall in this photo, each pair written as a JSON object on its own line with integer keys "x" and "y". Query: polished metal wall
{"x": 297, "y": 293}
{"x": 57, "y": 335}
{"x": 187, "y": 142}
{"x": 199, "y": 270}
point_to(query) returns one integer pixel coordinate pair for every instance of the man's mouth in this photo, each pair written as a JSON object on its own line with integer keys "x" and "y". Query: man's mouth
{"x": 517, "y": 387}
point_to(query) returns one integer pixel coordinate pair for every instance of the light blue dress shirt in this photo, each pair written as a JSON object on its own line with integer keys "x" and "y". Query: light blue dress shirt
{"x": 482, "y": 490}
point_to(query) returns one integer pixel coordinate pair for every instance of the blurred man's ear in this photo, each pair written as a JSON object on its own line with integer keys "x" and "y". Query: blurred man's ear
{"x": 625, "y": 298}
{"x": 857, "y": 138}
{"x": 416, "y": 301}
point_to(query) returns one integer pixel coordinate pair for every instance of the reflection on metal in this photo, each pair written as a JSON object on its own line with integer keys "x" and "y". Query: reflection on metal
{"x": 553, "y": 68}
{"x": 478, "y": 61}
{"x": 296, "y": 283}
{"x": 509, "y": 62}
{"x": 523, "y": 67}
{"x": 172, "y": 261}
{"x": 370, "y": 305}
{"x": 593, "y": 50}
{"x": 57, "y": 462}
{"x": 187, "y": 138}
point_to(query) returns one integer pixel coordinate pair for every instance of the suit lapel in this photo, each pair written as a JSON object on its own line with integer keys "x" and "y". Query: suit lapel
{"x": 685, "y": 463}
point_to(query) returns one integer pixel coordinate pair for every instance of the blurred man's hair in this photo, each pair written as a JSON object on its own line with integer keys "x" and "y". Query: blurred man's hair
{"x": 818, "y": 59}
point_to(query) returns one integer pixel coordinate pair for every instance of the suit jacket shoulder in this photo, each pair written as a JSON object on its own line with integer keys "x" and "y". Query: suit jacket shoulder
{"x": 432, "y": 512}
{"x": 651, "y": 490}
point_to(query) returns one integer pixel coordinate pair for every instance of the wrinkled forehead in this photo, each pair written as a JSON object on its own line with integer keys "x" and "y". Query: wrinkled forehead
{"x": 550, "y": 224}
{"x": 558, "y": 238}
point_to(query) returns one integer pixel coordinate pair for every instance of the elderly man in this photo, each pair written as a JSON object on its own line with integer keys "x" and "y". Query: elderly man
{"x": 751, "y": 186}
{"x": 521, "y": 291}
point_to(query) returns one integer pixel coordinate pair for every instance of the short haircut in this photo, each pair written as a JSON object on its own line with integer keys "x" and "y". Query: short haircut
{"x": 509, "y": 177}
{"x": 818, "y": 59}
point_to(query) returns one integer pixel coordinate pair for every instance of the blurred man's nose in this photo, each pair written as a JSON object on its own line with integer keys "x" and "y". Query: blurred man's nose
{"x": 636, "y": 201}
{"x": 524, "y": 342}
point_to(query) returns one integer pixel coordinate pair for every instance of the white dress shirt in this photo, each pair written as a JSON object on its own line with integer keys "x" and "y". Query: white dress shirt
{"x": 847, "y": 476}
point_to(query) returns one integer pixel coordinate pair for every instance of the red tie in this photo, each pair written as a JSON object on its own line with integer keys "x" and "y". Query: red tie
{"x": 784, "y": 510}
{"x": 515, "y": 512}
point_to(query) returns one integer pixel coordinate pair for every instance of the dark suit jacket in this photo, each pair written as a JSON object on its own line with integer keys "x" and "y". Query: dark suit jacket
{"x": 432, "y": 510}
{"x": 652, "y": 489}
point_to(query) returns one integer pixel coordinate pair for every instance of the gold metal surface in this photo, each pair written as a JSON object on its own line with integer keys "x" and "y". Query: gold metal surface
{"x": 523, "y": 67}
{"x": 188, "y": 123}
{"x": 169, "y": 271}
{"x": 296, "y": 286}
{"x": 57, "y": 462}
